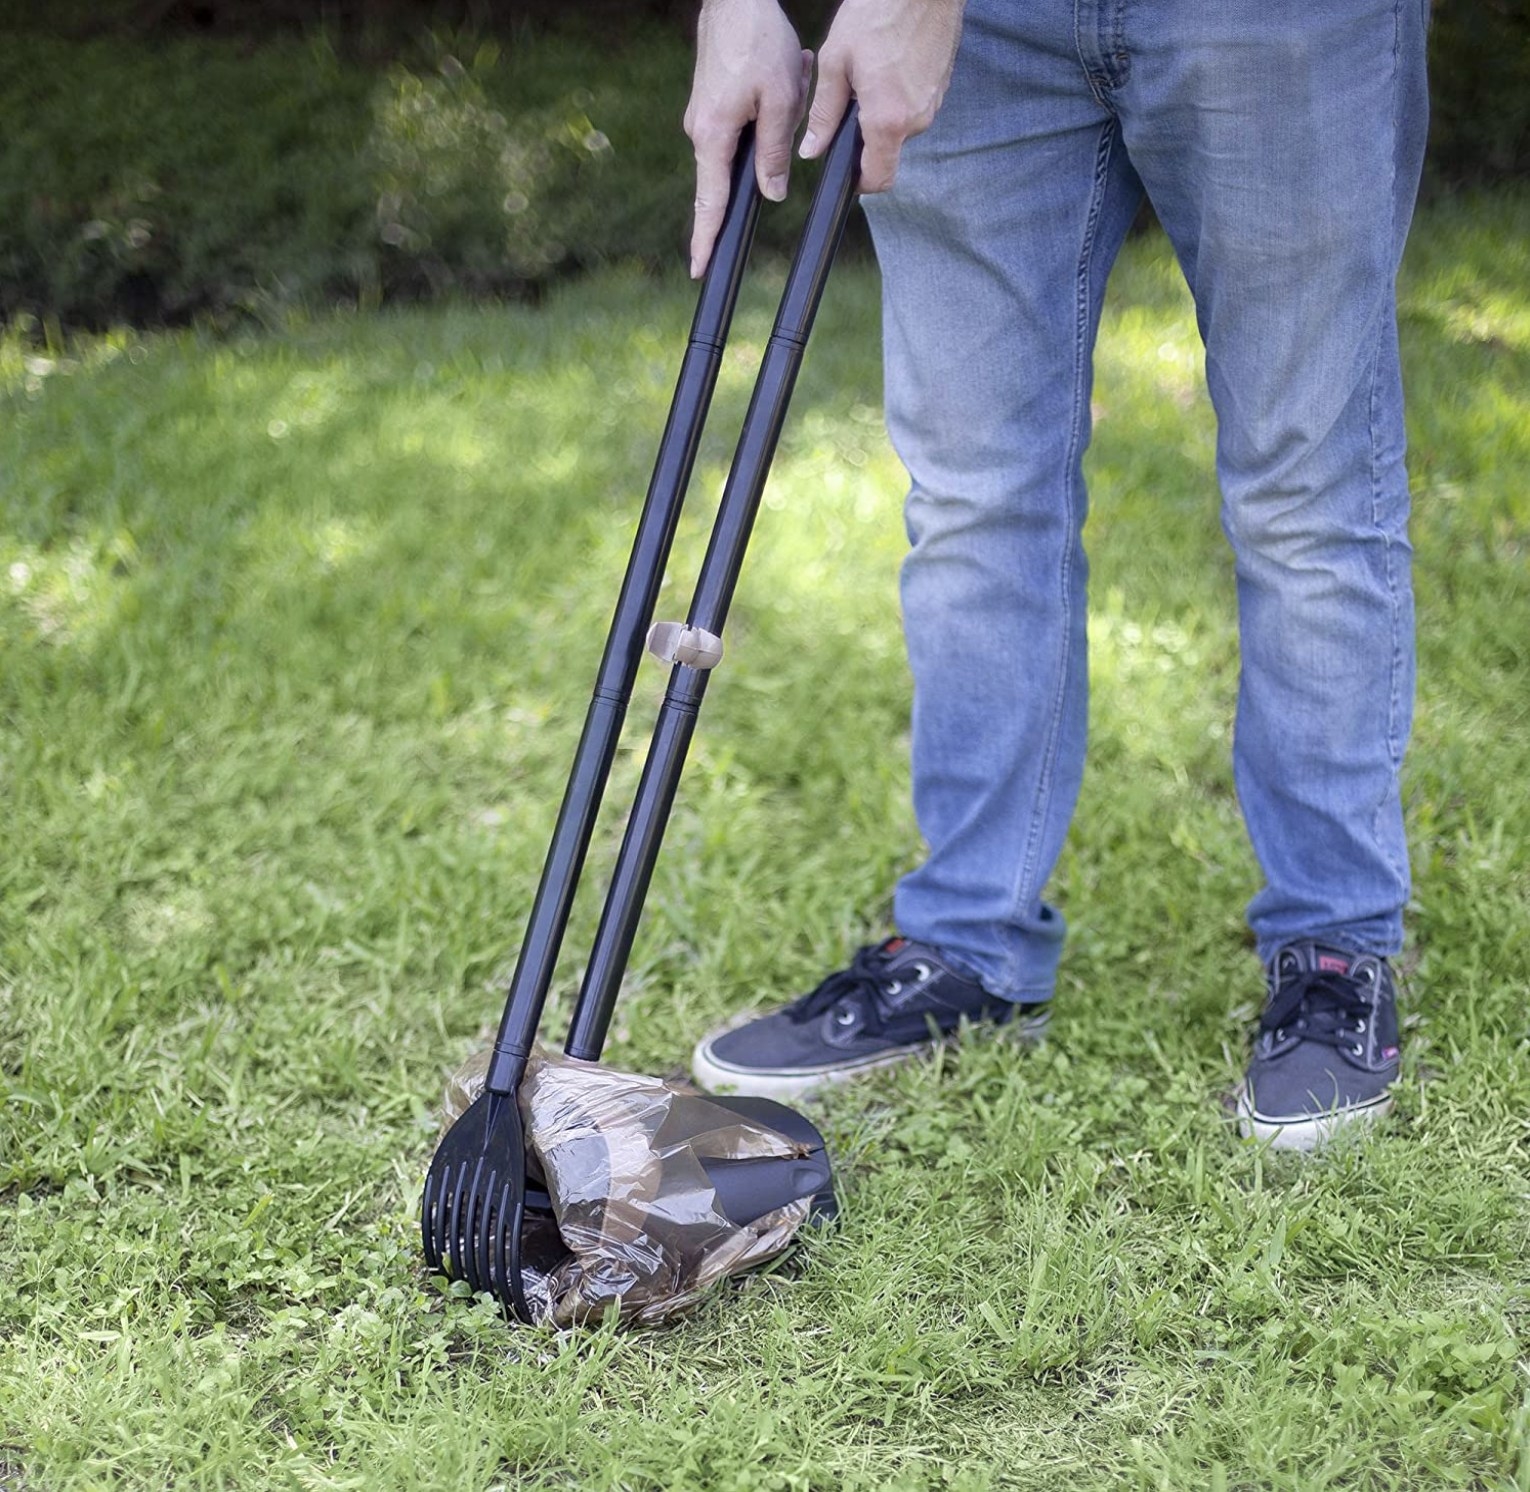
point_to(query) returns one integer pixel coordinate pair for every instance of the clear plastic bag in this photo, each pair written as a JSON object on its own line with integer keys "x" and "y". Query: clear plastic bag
{"x": 638, "y": 1226}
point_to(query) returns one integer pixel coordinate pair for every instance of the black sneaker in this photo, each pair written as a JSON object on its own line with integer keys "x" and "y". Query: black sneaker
{"x": 895, "y": 999}
{"x": 1327, "y": 1048}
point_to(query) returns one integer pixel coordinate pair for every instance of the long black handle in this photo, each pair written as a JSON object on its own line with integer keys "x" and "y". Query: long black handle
{"x": 720, "y": 569}
{"x": 624, "y": 645}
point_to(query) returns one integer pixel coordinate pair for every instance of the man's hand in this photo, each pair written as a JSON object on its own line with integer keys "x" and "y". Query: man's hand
{"x": 749, "y": 66}
{"x": 895, "y": 56}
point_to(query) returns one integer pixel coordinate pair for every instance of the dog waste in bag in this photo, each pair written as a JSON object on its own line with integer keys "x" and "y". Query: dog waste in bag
{"x": 630, "y": 1168}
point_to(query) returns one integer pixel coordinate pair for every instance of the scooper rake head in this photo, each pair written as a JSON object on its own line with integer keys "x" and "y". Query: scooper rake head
{"x": 475, "y": 1201}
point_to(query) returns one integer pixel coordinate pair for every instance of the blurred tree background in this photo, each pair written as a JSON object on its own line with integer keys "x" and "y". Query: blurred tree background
{"x": 164, "y": 160}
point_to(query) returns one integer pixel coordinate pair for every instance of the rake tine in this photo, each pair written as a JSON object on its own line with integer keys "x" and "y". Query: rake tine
{"x": 444, "y": 1217}
{"x": 467, "y": 1224}
{"x": 499, "y": 1269}
{"x": 520, "y": 1304}
{"x": 428, "y": 1220}
{"x": 449, "y": 1217}
{"x": 472, "y": 1271}
{"x": 454, "y": 1225}
{"x": 483, "y": 1259}
{"x": 436, "y": 1245}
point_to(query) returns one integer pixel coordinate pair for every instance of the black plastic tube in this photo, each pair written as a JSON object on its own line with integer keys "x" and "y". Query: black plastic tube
{"x": 529, "y": 984}
{"x": 720, "y": 571}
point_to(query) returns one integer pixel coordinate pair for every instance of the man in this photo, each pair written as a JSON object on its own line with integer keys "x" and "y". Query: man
{"x": 1280, "y": 143}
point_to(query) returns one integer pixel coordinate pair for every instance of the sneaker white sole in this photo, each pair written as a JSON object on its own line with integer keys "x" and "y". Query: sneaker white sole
{"x": 1305, "y": 1135}
{"x": 748, "y": 1082}
{"x": 783, "y": 1084}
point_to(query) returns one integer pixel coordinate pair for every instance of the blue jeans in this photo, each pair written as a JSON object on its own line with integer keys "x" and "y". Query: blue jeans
{"x": 1280, "y": 144}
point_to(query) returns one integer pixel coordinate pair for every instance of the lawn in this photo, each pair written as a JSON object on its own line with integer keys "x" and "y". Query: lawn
{"x": 296, "y": 635}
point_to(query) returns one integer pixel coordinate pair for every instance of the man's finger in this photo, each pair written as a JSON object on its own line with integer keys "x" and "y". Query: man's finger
{"x": 714, "y": 162}
{"x": 773, "y": 142}
{"x": 880, "y": 150}
{"x": 829, "y": 104}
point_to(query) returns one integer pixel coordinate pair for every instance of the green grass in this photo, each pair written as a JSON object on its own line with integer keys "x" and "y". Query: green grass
{"x": 296, "y": 634}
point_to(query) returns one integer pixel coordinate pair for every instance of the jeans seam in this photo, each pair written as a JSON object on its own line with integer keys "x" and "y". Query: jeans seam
{"x": 1394, "y": 693}
{"x": 1047, "y": 779}
{"x": 1394, "y": 745}
{"x": 1119, "y": 56}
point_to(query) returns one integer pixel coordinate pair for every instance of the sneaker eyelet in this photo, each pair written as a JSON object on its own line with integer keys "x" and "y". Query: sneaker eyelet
{"x": 1360, "y": 1025}
{"x": 1357, "y": 1050}
{"x": 922, "y": 972}
{"x": 893, "y": 987}
{"x": 1280, "y": 1035}
{"x": 844, "y": 1016}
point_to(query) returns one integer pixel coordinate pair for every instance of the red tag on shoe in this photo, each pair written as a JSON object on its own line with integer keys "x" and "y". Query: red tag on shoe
{"x": 1330, "y": 963}
{"x": 894, "y": 945}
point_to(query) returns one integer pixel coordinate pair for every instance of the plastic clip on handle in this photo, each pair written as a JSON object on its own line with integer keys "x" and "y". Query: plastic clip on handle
{"x": 624, "y": 646}
{"x": 714, "y": 588}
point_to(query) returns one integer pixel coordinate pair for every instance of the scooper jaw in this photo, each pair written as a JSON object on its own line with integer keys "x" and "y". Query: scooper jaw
{"x": 638, "y": 1193}
{"x": 663, "y": 1191}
